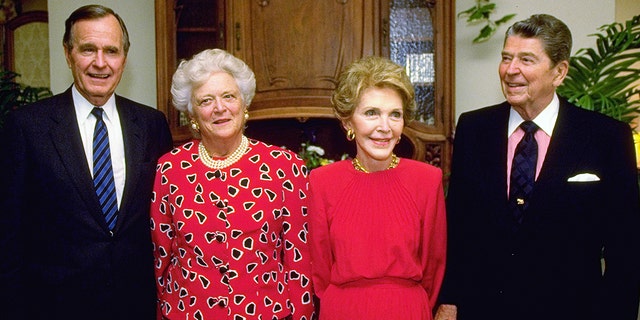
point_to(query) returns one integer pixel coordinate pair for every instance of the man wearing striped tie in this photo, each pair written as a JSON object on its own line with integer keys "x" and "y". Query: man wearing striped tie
{"x": 76, "y": 174}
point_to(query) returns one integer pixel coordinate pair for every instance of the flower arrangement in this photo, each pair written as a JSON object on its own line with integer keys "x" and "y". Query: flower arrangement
{"x": 313, "y": 155}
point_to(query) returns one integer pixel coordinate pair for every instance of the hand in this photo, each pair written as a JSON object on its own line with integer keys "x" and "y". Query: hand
{"x": 446, "y": 312}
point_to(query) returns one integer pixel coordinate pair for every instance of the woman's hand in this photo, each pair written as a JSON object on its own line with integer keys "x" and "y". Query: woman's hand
{"x": 446, "y": 312}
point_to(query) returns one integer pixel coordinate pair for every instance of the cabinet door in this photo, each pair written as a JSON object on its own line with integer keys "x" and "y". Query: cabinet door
{"x": 297, "y": 49}
{"x": 421, "y": 37}
{"x": 183, "y": 28}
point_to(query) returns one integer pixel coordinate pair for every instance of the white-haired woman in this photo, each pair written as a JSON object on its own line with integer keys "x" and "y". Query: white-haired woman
{"x": 228, "y": 213}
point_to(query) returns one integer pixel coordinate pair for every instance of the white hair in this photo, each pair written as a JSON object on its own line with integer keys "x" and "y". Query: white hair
{"x": 191, "y": 73}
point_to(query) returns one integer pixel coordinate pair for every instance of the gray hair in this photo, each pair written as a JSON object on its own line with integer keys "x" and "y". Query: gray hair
{"x": 191, "y": 73}
{"x": 92, "y": 12}
{"x": 554, "y": 34}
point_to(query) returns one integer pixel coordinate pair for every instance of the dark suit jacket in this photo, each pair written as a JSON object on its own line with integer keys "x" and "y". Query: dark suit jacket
{"x": 59, "y": 260}
{"x": 550, "y": 268}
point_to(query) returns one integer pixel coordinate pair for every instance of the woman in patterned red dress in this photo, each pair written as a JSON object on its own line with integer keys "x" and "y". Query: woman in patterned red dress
{"x": 378, "y": 230}
{"x": 228, "y": 213}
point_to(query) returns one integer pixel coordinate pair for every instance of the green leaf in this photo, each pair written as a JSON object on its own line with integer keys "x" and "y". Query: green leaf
{"x": 604, "y": 78}
{"x": 485, "y": 34}
{"x": 504, "y": 19}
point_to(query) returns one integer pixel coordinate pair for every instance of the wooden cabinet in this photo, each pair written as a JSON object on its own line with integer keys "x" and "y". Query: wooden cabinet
{"x": 183, "y": 28}
{"x": 297, "y": 49}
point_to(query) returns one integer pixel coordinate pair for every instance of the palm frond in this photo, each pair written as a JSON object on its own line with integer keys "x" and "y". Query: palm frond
{"x": 604, "y": 78}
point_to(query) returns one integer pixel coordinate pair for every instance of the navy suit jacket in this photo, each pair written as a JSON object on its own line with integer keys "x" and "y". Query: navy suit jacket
{"x": 551, "y": 267}
{"x": 59, "y": 259}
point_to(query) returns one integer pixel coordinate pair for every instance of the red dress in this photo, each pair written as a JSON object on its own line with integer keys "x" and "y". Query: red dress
{"x": 231, "y": 243}
{"x": 378, "y": 240}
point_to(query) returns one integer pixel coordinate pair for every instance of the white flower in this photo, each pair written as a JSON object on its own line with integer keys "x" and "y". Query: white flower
{"x": 319, "y": 151}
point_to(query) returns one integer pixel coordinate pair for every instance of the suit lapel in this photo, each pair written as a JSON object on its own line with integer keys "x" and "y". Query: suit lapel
{"x": 497, "y": 177}
{"x": 133, "y": 136}
{"x": 568, "y": 142}
{"x": 65, "y": 135}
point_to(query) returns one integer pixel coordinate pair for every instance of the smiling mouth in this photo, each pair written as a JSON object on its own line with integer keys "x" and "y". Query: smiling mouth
{"x": 515, "y": 84}
{"x": 221, "y": 121}
{"x": 98, "y": 75}
{"x": 381, "y": 141}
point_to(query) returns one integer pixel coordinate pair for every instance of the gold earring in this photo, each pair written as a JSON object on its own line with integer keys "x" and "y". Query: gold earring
{"x": 350, "y": 134}
{"x": 398, "y": 141}
{"x": 195, "y": 126}
{"x": 246, "y": 115}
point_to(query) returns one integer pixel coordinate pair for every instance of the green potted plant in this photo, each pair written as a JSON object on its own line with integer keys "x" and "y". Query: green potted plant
{"x": 14, "y": 95}
{"x": 602, "y": 78}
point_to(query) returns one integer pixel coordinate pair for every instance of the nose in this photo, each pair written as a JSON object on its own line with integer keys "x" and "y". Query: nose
{"x": 384, "y": 126}
{"x": 513, "y": 67}
{"x": 99, "y": 60}
{"x": 217, "y": 105}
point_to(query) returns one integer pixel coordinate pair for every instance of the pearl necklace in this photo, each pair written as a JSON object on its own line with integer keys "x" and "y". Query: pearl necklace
{"x": 358, "y": 166}
{"x": 221, "y": 164}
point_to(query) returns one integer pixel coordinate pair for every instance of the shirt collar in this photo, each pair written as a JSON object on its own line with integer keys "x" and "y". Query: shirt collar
{"x": 83, "y": 106}
{"x": 546, "y": 120}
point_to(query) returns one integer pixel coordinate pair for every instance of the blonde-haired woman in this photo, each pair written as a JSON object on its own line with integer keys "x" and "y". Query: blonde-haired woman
{"x": 378, "y": 231}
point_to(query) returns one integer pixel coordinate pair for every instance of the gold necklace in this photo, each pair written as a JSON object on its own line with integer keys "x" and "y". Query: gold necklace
{"x": 221, "y": 164}
{"x": 358, "y": 166}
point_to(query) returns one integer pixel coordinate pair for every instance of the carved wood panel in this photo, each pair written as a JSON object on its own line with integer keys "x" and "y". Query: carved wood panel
{"x": 297, "y": 49}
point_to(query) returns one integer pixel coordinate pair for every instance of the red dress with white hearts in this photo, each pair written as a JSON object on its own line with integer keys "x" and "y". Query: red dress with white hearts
{"x": 231, "y": 243}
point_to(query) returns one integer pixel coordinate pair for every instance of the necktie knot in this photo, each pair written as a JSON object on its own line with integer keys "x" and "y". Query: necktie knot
{"x": 529, "y": 127}
{"x": 97, "y": 112}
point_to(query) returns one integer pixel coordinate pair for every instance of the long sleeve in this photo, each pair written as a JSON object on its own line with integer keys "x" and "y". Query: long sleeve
{"x": 434, "y": 241}
{"x": 320, "y": 244}
{"x": 12, "y": 189}
{"x": 297, "y": 258}
{"x": 161, "y": 225}
{"x": 621, "y": 284}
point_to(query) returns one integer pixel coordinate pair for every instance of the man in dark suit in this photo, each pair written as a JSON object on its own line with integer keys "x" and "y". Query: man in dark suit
{"x": 537, "y": 254}
{"x": 63, "y": 258}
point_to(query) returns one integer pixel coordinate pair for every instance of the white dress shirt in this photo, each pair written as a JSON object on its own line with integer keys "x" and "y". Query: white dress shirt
{"x": 87, "y": 123}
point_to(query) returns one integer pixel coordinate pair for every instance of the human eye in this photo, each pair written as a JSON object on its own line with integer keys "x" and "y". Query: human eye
{"x": 229, "y": 96}
{"x": 112, "y": 51}
{"x": 396, "y": 114}
{"x": 528, "y": 59}
{"x": 86, "y": 49}
{"x": 370, "y": 112}
{"x": 204, "y": 102}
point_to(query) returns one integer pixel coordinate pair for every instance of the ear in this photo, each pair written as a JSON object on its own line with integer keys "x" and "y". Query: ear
{"x": 561, "y": 70}
{"x": 346, "y": 124}
{"x": 67, "y": 56}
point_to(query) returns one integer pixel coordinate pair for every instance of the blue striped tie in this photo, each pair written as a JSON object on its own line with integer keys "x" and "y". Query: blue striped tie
{"x": 103, "y": 171}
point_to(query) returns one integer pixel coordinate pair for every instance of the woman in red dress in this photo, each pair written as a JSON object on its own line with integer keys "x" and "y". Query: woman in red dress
{"x": 378, "y": 226}
{"x": 228, "y": 213}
